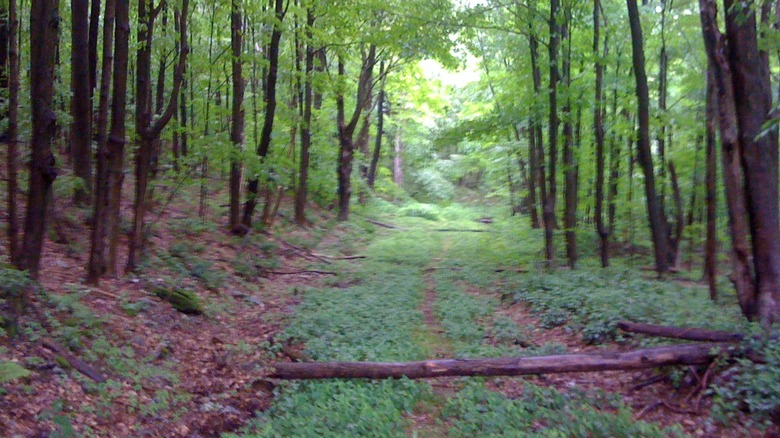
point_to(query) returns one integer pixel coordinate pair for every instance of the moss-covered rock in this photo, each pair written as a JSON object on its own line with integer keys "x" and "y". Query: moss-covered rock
{"x": 183, "y": 300}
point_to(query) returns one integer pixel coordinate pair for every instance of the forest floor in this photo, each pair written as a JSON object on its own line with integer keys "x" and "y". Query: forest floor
{"x": 419, "y": 293}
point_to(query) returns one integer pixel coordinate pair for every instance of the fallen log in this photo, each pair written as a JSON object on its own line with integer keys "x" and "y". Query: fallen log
{"x": 693, "y": 354}
{"x": 686, "y": 333}
{"x": 75, "y": 363}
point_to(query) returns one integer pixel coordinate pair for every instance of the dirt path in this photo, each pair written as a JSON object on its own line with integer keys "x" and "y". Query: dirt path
{"x": 426, "y": 419}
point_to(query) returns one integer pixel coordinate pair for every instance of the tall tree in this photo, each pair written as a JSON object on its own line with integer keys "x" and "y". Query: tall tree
{"x": 147, "y": 127}
{"x": 264, "y": 143}
{"x": 237, "y": 124}
{"x": 711, "y": 251}
{"x": 301, "y": 194}
{"x": 658, "y": 224}
{"x": 380, "y": 127}
{"x": 100, "y": 217}
{"x": 81, "y": 102}
{"x": 12, "y": 131}
{"x": 44, "y": 35}
{"x": 550, "y": 197}
{"x": 598, "y": 129}
{"x": 569, "y": 144}
{"x": 750, "y": 155}
{"x": 346, "y": 128}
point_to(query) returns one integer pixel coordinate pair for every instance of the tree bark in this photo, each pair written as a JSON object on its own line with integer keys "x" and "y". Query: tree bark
{"x": 117, "y": 134}
{"x": 270, "y": 110}
{"x": 12, "y": 131}
{"x": 94, "y": 33}
{"x": 550, "y": 198}
{"x": 301, "y": 194}
{"x": 97, "y": 258}
{"x": 398, "y": 160}
{"x": 44, "y": 31}
{"x": 598, "y": 129}
{"x": 686, "y": 333}
{"x": 237, "y": 125}
{"x": 380, "y": 129}
{"x": 658, "y": 224}
{"x": 149, "y": 129}
{"x": 569, "y": 159}
{"x": 711, "y": 246}
{"x": 753, "y": 102}
{"x": 733, "y": 173}
{"x": 537, "y": 143}
{"x": 346, "y": 128}
{"x": 696, "y": 354}
{"x": 81, "y": 102}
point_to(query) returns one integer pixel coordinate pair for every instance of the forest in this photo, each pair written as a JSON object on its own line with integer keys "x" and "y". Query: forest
{"x": 383, "y": 218}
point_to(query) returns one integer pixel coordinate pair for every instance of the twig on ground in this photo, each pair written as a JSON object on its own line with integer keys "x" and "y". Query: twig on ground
{"x": 307, "y": 271}
{"x": 649, "y": 382}
{"x": 76, "y": 363}
{"x": 646, "y": 410}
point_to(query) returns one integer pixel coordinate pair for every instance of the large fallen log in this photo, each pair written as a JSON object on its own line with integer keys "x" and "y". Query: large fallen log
{"x": 689, "y": 334}
{"x": 694, "y": 354}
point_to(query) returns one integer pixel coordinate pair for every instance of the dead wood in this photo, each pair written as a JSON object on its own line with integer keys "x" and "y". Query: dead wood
{"x": 383, "y": 225}
{"x": 75, "y": 363}
{"x": 687, "y": 333}
{"x": 308, "y": 271}
{"x": 454, "y": 230}
{"x": 325, "y": 256}
{"x": 692, "y": 354}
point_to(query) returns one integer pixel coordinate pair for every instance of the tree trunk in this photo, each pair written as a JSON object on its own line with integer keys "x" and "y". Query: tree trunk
{"x": 695, "y": 354}
{"x": 549, "y": 203}
{"x": 380, "y": 129}
{"x": 149, "y": 129}
{"x": 598, "y": 128}
{"x": 117, "y": 134}
{"x": 537, "y": 143}
{"x": 711, "y": 251}
{"x": 301, "y": 194}
{"x": 81, "y": 102}
{"x": 270, "y": 110}
{"x": 753, "y": 99}
{"x": 94, "y": 33}
{"x": 44, "y": 31}
{"x": 733, "y": 173}
{"x": 97, "y": 257}
{"x": 658, "y": 225}
{"x": 346, "y": 129}
{"x": 237, "y": 126}
{"x": 12, "y": 131}
{"x": 569, "y": 160}
{"x": 398, "y": 160}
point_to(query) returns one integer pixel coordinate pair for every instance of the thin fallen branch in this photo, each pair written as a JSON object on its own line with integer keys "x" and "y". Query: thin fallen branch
{"x": 453, "y": 230}
{"x": 308, "y": 271}
{"x": 687, "y": 333}
{"x": 692, "y": 354}
{"x": 325, "y": 256}
{"x": 75, "y": 363}
{"x": 383, "y": 225}
{"x": 303, "y": 251}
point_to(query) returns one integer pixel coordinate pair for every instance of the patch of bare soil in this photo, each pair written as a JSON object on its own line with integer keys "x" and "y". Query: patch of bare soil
{"x": 212, "y": 366}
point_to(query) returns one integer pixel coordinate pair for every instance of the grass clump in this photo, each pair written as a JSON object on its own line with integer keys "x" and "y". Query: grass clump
{"x": 543, "y": 412}
{"x": 424, "y": 211}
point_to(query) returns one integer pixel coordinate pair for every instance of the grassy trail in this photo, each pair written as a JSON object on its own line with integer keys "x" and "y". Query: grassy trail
{"x": 423, "y": 294}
